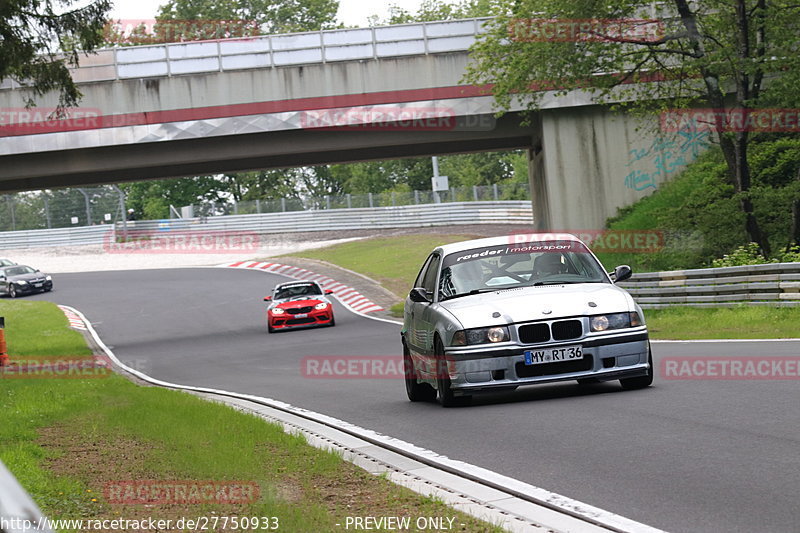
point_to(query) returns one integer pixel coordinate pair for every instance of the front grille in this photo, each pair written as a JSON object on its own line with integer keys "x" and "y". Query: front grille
{"x": 567, "y": 329}
{"x": 550, "y": 369}
{"x": 298, "y": 321}
{"x": 299, "y": 310}
{"x": 533, "y": 333}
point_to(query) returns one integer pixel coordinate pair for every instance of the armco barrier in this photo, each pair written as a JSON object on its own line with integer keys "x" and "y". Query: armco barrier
{"x": 406, "y": 216}
{"x": 775, "y": 284}
{"x": 55, "y": 237}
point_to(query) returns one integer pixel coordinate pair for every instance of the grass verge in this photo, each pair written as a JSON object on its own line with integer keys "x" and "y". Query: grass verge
{"x": 66, "y": 439}
{"x": 395, "y": 262}
{"x": 692, "y": 323}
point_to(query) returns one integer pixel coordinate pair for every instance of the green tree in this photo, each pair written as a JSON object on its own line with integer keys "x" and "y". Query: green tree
{"x": 432, "y": 10}
{"x": 242, "y": 17}
{"x": 717, "y": 53}
{"x": 41, "y": 39}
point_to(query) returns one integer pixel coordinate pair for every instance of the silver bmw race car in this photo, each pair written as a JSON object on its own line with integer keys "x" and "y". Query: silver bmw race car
{"x": 497, "y": 313}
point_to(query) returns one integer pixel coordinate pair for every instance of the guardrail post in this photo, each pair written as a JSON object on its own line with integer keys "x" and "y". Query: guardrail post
{"x": 452, "y": 194}
{"x": 494, "y": 191}
{"x": 475, "y": 192}
{"x": 349, "y": 201}
{"x": 10, "y": 202}
{"x": 47, "y": 211}
{"x": 235, "y": 207}
{"x": 327, "y": 202}
{"x": 369, "y": 195}
{"x": 416, "y": 196}
{"x": 393, "y": 202}
{"x": 3, "y": 354}
{"x": 258, "y": 206}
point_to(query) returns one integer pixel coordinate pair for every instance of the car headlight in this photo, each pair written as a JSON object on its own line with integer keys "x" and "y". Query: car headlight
{"x": 48, "y": 278}
{"x": 277, "y": 311}
{"x": 22, "y": 282}
{"x": 480, "y": 336}
{"x": 614, "y": 321}
{"x": 321, "y": 305}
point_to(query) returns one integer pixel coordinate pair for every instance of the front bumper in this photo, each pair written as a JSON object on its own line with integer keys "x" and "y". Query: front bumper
{"x": 30, "y": 288}
{"x": 315, "y": 318}
{"x": 606, "y": 357}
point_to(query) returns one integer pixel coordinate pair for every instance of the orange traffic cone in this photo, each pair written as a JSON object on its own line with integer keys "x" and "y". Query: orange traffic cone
{"x": 3, "y": 354}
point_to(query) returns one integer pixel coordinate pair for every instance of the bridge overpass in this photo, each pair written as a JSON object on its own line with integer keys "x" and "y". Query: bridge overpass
{"x": 333, "y": 96}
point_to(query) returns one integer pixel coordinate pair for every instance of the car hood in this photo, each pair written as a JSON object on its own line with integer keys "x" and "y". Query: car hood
{"x": 525, "y": 304}
{"x": 299, "y": 302}
{"x": 36, "y": 276}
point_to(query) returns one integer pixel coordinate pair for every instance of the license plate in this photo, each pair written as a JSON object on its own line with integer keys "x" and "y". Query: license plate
{"x": 553, "y": 355}
{"x": 301, "y": 315}
{"x": 37, "y": 285}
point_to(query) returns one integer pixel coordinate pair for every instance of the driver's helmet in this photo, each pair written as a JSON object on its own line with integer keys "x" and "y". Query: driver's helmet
{"x": 550, "y": 263}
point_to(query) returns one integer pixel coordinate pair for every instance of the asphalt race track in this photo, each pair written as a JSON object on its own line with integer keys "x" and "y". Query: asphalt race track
{"x": 690, "y": 456}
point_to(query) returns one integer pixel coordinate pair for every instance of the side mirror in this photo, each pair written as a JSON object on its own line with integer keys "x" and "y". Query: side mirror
{"x": 621, "y": 273}
{"x": 267, "y": 298}
{"x": 419, "y": 295}
{"x": 328, "y": 291}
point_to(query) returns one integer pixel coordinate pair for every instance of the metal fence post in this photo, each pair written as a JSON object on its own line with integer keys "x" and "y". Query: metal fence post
{"x": 88, "y": 207}
{"x": 47, "y": 210}
{"x": 452, "y": 194}
{"x": 349, "y": 201}
{"x": 235, "y": 207}
{"x": 123, "y": 212}
{"x": 258, "y": 206}
{"x": 369, "y": 195}
{"x": 416, "y": 196}
{"x": 327, "y": 202}
{"x": 10, "y": 202}
{"x": 475, "y": 192}
{"x": 494, "y": 190}
{"x": 283, "y": 204}
{"x": 393, "y": 201}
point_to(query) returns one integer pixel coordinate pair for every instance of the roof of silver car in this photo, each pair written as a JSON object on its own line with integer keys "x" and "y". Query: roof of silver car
{"x": 517, "y": 238}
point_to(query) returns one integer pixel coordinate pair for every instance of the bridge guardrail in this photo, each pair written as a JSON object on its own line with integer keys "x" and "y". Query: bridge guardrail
{"x": 502, "y": 212}
{"x": 776, "y": 284}
{"x": 267, "y": 51}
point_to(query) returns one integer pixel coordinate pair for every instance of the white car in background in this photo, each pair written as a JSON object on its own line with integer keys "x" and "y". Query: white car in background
{"x": 494, "y": 314}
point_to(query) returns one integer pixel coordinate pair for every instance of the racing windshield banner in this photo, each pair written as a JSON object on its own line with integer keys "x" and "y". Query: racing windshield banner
{"x": 512, "y": 249}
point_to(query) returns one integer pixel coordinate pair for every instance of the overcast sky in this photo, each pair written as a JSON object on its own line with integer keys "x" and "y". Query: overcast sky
{"x": 351, "y": 12}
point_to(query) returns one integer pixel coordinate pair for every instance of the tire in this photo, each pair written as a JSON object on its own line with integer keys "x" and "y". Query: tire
{"x": 12, "y": 291}
{"x": 446, "y": 396}
{"x": 417, "y": 392}
{"x": 48, "y": 290}
{"x": 333, "y": 321}
{"x": 642, "y": 381}
{"x": 270, "y": 329}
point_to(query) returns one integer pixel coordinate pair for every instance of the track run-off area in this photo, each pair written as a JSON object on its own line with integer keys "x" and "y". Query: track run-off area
{"x": 683, "y": 455}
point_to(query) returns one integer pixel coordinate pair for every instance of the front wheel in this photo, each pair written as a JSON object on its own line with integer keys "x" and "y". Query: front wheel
{"x": 417, "y": 392}
{"x": 642, "y": 381}
{"x": 446, "y": 396}
{"x": 12, "y": 291}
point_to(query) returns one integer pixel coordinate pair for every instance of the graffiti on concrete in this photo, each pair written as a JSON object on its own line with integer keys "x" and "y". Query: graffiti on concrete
{"x": 664, "y": 156}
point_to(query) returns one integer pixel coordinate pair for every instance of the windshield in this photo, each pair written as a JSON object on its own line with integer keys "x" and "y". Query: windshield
{"x": 518, "y": 265}
{"x": 16, "y": 271}
{"x": 294, "y": 291}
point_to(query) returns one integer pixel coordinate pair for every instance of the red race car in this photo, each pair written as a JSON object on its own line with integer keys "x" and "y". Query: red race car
{"x": 298, "y": 304}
